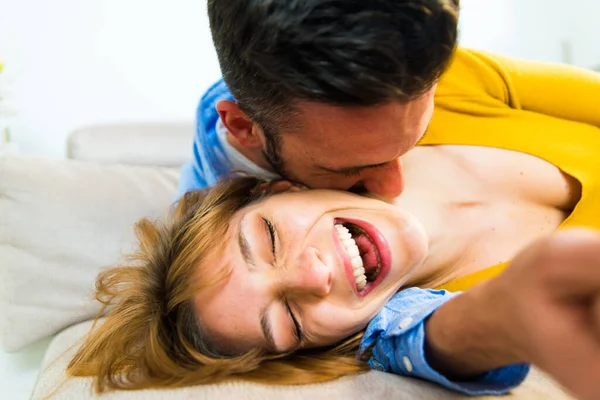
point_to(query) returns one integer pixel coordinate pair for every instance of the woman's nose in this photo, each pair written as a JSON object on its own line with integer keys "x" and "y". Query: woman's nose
{"x": 310, "y": 275}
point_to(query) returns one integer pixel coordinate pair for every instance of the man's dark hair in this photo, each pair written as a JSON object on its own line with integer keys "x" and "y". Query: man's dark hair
{"x": 274, "y": 53}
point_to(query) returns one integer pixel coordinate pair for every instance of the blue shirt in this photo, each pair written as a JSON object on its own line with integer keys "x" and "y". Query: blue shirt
{"x": 209, "y": 161}
{"x": 398, "y": 336}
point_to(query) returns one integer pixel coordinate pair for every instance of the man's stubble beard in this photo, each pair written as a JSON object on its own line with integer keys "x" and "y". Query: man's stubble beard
{"x": 272, "y": 153}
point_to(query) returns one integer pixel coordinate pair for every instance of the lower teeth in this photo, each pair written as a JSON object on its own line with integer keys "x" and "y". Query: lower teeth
{"x": 362, "y": 283}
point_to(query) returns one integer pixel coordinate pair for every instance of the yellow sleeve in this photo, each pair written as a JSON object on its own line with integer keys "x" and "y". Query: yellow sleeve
{"x": 556, "y": 90}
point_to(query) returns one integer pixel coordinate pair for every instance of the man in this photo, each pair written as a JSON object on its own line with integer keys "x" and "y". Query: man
{"x": 327, "y": 93}
{"x": 331, "y": 94}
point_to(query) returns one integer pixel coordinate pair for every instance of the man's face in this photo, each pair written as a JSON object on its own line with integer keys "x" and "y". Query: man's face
{"x": 344, "y": 147}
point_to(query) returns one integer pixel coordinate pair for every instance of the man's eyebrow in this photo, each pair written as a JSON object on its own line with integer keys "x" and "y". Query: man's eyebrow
{"x": 265, "y": 325}
{"x": 344, "y": 170}
{"x": 244, "y": 245}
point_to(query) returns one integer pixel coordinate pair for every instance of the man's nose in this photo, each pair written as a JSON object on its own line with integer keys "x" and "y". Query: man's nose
{"x": 311, "y": 276}
{"x": 387, "y": 181}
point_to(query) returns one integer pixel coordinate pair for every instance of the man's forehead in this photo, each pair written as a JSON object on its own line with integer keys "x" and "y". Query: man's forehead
{"x": 349, "y": 127}
{"x": 309, "y": 117}
{"x": 308, "y": 110}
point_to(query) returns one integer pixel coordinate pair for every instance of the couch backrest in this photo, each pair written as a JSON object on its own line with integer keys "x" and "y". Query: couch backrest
{"x": 159, "y": 144}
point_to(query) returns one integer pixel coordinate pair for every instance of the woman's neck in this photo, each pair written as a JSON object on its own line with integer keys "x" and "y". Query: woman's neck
{"x": 477, "y": 214}
{"x": 438, "y": 203}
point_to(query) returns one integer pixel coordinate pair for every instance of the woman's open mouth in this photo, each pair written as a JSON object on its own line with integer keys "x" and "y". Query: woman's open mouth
{"x": 365, "y": 252}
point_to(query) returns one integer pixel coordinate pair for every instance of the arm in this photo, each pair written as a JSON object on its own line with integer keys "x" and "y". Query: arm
{"x": 542, "y": 310}
{"x": 556, "y": 90}
{"x": 465, "y": 337}
{"x": 399, "y": 345}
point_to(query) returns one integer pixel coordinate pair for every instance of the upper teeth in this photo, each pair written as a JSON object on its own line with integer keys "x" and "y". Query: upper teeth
{"x": 354, "y": 254}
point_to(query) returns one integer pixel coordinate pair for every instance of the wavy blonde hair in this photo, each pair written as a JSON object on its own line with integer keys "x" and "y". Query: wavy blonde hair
{"x": 151, "y": 338}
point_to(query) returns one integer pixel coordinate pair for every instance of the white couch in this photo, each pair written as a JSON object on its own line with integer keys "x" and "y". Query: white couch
{"x": 63, "y": 220}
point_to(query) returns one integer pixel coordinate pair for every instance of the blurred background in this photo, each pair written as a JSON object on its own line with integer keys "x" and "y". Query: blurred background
{"x": 72, "y": 63}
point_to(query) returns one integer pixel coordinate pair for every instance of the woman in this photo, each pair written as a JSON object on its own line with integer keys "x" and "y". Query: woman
{"x": 237, "y": 285}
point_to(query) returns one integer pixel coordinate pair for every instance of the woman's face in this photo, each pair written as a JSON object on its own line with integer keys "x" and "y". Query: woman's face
{"x": 307, "y": 269}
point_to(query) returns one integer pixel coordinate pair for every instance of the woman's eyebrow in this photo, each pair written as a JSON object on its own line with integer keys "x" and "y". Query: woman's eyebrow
{"x": 245, "y": 245}
{"x": 265, "y": 325}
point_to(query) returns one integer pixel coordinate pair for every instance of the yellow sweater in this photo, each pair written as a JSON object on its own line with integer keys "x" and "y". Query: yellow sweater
{"x": 546, "y": 110}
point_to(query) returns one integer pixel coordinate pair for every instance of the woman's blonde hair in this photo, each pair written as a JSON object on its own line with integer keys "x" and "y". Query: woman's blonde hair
{"x": 151, "y": 338}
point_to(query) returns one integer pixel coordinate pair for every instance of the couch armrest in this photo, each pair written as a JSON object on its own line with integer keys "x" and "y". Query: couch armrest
{"x": 159, "y": 144}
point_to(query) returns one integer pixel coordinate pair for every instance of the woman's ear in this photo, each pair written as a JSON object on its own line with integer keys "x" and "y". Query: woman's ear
{"x": 239, "y": 124}
{"x": 281, "y": 186}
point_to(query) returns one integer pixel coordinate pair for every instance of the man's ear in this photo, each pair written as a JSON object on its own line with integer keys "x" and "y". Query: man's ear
{"x": 239, "y": 124}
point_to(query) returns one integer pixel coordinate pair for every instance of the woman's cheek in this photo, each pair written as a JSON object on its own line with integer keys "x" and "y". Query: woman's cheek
{"x": 349, "y": 322}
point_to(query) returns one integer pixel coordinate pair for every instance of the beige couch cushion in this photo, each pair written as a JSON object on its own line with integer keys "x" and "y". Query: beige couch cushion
{"x": 60, "y": 222}
{"x": 373, "y": 385}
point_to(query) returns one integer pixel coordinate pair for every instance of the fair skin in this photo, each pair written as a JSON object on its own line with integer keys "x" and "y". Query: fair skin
{"x": 362, "y": 145}
{"x": 458, "y": 231}
{"x": 464, "y": 337}
{"x": 303, "y": 269}
{"x": 542, "y": 310}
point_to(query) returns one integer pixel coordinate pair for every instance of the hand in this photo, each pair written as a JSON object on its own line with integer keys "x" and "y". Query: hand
{"x": 549, "y": 301}
{"x": 544, "y": 310}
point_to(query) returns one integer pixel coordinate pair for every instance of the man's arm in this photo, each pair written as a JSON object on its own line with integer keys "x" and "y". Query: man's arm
{"x": 542, "y": 310}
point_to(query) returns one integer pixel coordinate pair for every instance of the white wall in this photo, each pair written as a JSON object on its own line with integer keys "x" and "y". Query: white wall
{"x": 585, "y": 33}
{"x": 513, "y": 27}
{"x": 547, "y": 30}
{"x": 71, "y": 62}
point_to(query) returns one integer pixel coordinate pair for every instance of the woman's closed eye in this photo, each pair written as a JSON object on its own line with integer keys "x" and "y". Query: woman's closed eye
{"x": 298, "y": 333}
